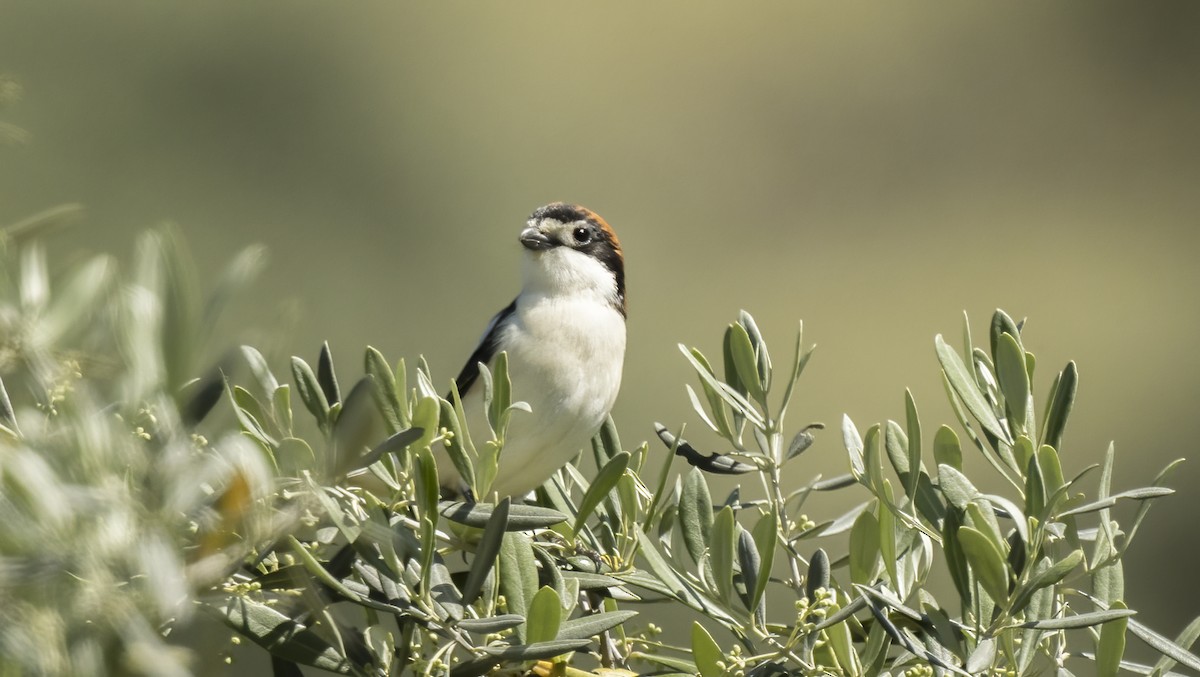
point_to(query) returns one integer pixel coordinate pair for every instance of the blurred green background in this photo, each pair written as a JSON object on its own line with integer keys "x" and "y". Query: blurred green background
{"x": 872, "y": 169}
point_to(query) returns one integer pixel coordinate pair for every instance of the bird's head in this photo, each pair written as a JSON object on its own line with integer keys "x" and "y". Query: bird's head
{"x": 570, "y": 250}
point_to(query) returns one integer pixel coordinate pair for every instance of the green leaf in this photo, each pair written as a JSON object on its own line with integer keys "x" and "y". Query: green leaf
{"x": 887, "y": 535}
{"x": 766, "y": 538}
{"x": 326, "y": 376}
{"x": 855, "y": 605}
{"x": 955, "y": 486}
{"x": 705, "y": 652}
{"x": 835, "y": 483}
{"x": 322, "y": 575}
{"x": 956, "y": 560}
{"x": 745, "y": 361}
{"x": 946, "y": 449}
{"x": 590, "y": 581}
{"x": 486, "y": 551}
{"x": 310, "y": 392}
{"x": 718, "y": 422}
{"x": 873, "y": 459}
{"x": 875, "y": 650}
{"x": 896, "y": 443}
{"x": 1023, "y": 451}
{"x": 1111, "y": 646}
{"x": 446, "y": 596}
{"x": 1035, "y": 489}
{"x": 681, "y": 667}
{"x": 1079, "y": 620}
{"x": 1057, "y": 571}
{"x": 982, "y": 657}
{"x": 1142, "y": 494}
{"x": 763, "y": 358}
{"x": 661, "y": 570}
{"x": 281, "y": 405}
{"x": 750, "y": 563}
{"x": 1051, "y": 469}
{"x": 262, "y": 373}
{"x": 539, "y": 651}
{"x": 662, "y": 579}
{"x": 1060, "y": 407}
{"x": 279, "y": 634}
{"x": 864, "y": 548}
{"x": 1172, "y": 652}
{"x": 426, "y": 501}
{"x": 593, "y": 624}
{"x": 802, "y": 441}
{"x": 357, "y": 426}
{"x": 608, "y": 438}
{"x": 818, "y": 574}
{"x": 967, "y": 390}
{"x": 1108, "y": 581}
{"x": 987, "y": 562}
{"x": 544, "y": 617}
{"x": 455, "y": 446}
{"x": 728, "y": 393}
{"x": 428, "y": 491}
{"x": 491, "y": 624}
{"x": 1001, "y": 324}
{"x": 250, "y": 414}
{"x": 392, "y": 444}
{"x": 1014, "y": 381}
{"x": 520, "y": 517}
{"x": 501, "y": 654}
{"x": 799, "y": 360}
{"x": 843, "y": 648}
{"x": 720, "y": 418}
{"x": 518, "y": 573}
{"x": 1039, "y": 605}
{"x": 983, "y": 519}
{"x": 854, "y": 447}
{"x": 501, "y": 392}
{"x": 695, "y": 514}
{"x": 386, "y": 392}
{"x": 846, "y": 520}
{"x": 722, "y": 552}
{"x": 605, "y": 480}
{"x": 293, "y": 456}
{"x": 913, "y": 425}
{"x": 1145, "y": 506}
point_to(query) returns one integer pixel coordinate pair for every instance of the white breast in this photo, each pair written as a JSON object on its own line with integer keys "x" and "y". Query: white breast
{"x": 565, "y": 357}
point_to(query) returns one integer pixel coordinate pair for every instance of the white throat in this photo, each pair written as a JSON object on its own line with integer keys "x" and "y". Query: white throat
{"x": 563, "y": 272}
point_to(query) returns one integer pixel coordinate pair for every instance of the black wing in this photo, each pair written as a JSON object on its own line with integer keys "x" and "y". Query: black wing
{"x": 484, "y": 352}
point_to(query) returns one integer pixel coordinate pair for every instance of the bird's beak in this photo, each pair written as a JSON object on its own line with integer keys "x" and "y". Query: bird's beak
{"x": 533, "y": 239}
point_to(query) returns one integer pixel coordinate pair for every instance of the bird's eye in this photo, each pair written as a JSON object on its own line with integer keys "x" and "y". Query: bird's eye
{"x": 582, "y": 235}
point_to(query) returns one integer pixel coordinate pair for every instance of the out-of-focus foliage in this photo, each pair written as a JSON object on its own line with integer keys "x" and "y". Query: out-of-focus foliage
{"x": 115, "y": 509}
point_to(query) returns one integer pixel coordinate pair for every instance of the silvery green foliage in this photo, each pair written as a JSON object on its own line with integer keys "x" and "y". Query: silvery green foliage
{"x": 1027, "y": 564}
{"x": 1017, "y": 558}
{"x": 114, "y": 509}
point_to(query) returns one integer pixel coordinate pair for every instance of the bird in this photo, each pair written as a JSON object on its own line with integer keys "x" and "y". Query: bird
{"x": 564, "y": 336}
